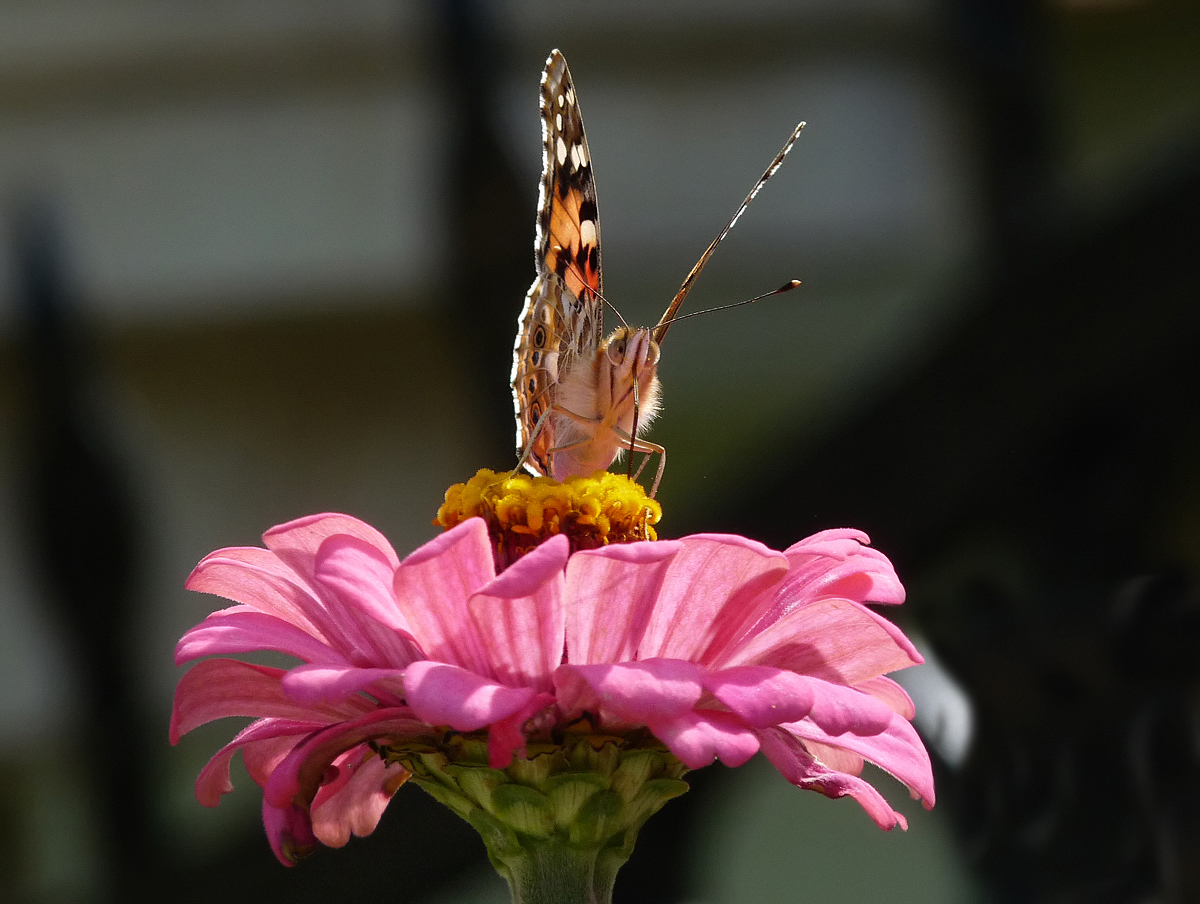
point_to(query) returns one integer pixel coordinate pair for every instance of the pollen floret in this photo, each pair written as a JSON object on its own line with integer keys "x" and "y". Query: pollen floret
{"x": 522, "y": 511}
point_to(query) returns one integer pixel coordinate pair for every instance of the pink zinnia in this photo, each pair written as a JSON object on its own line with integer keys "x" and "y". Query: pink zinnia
{"x": 711, "y": 646}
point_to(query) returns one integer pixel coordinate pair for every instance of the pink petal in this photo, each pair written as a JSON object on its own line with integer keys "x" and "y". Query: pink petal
{"x": 610, "y": 594}
{"x": 354, "y": 579}
{"x": 798, "y": 767}
{"x": 356, "y": 806}
{"x": 842, "y": 565}
{"x": 897, "y": 750}
{"x": 289, "y": 831}
{"x": 888, "y": 692}
{"x": 300, "y": 776}
{"x": 216, "y": 688}
{"x": 296, "y": 543}
{"x": 432, "y": 587}
{"x": 837, "y": 640}
{"x": 256, "y": 578}
{"x": 832, "y": 565}
{"x": 506, "y": 736}
{"x": 261, "y": 757}
{"x": 761, "y": 695}
{"x": 520, "y": 616}
{"x": 838, "y": 709}
{"x": 444, "y": 694}
{"x": 698, "y": 738}
{"x": 715, "y": 588}
{"x": 653, "y": 690}
{"x": 835, "y": 758}
{"x": 243, "y": 632}
{"x": 310, "y": 684}
{"x": 214, "y": 779}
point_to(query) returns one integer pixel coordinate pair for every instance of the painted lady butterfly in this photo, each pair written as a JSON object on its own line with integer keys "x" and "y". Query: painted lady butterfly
{"x": 581, "y": 398}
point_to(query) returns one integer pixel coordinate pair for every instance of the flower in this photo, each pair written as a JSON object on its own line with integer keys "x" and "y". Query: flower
{"x": 568, "y": 692}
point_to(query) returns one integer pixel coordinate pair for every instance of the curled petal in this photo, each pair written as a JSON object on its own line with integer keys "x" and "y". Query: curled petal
{"x": 698, "y": 738}
{"x": 289, "y": 831}
{"x": 444, "y": 694}
{"x": 801, "y": 769}
{"x": 639, "y": 692}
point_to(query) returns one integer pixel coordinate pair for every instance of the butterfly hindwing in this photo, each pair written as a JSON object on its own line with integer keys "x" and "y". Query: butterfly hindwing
{"x": 563, "y": 317}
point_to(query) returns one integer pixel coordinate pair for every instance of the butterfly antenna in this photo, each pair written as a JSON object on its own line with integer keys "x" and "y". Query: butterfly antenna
{"x": 786, "y": 287}
{"x": 575, "y": 268}
{"x": 614, "y": 310}
{"x": 661, "y": 329}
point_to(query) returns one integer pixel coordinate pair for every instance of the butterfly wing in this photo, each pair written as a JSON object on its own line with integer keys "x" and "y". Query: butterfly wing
{"x": 563, "y": 318}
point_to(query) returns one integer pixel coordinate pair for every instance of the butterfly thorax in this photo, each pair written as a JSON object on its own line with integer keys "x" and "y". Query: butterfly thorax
{"x": 596, "y": 401}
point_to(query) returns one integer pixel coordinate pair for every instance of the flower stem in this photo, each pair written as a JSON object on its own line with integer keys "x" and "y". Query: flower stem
{"x": 555, "y": 873}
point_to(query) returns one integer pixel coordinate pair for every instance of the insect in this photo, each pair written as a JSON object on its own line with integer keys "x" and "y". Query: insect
{"x": 580, "y": 398}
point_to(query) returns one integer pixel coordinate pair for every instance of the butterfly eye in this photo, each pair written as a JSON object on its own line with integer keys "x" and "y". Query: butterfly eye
{"x": 616, "y": 351}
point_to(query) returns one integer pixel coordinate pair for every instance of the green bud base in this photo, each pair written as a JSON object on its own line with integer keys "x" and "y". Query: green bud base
{"x": 559, "y": 822}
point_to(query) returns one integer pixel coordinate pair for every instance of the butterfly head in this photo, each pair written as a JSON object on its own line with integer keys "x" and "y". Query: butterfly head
{"x": 631, "y": 351}
{"x": 631, "y": 357}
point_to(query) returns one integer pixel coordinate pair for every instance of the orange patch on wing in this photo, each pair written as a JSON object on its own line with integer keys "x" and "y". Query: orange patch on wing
{"x": 565, "y": 240}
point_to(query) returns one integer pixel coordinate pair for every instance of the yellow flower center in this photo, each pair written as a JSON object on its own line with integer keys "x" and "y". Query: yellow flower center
{"x": 522, "y": 511}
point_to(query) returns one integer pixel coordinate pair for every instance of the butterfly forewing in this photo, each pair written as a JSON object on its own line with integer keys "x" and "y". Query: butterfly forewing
{"x": 562, "y": 323}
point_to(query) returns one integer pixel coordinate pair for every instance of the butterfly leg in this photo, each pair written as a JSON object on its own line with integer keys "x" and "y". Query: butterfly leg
{"x": 537, "y": 429}
{"x": 641, "y": 445}
{"x": 577, "y": 418}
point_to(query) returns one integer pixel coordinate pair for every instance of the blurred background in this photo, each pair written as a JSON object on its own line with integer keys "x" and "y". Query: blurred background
{"x": 264, "y": 258}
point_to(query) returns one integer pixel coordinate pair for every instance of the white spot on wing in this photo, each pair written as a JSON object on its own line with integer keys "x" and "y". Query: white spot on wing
{"x": 574, "y": 157}
{"x": 562, "y": 152}
{"x": 587, "y": 232}
{"x": 558, "y": 121}
{"x": 560, "y": 100}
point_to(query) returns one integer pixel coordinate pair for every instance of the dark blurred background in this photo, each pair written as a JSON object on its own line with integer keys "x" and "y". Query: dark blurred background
{"x": 264, "y": 258}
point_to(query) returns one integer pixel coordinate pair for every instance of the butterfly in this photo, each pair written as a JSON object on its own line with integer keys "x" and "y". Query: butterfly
{"x": 581, "y": 398}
